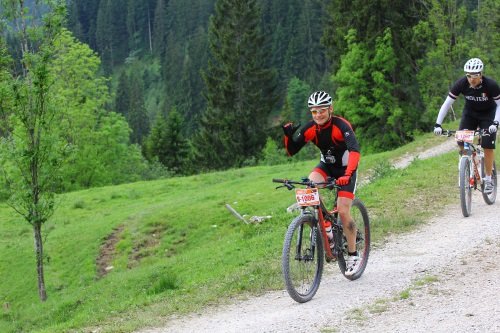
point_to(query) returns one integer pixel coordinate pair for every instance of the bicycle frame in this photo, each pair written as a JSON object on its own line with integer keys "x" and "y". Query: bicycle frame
{"x": 474, "y": 153}
{"x": 321, "y": 213}
{"x": 472, "y": 169}
{"x": 303, "y": 257}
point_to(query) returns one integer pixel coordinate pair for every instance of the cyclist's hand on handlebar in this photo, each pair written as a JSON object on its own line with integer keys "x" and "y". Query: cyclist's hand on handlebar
{"x": 289, "y": 128}
{"x": 493, "y": 127}
{"x": 438, "y": 130}
{"x": 344, "y": 180}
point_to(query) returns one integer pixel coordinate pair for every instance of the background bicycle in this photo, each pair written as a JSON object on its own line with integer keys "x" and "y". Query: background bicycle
{"x": 471, "y": 169}
{"x": 307, "y": 243}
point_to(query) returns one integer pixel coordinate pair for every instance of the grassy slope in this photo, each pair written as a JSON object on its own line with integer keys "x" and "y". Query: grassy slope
{"x": 177, "y": 247}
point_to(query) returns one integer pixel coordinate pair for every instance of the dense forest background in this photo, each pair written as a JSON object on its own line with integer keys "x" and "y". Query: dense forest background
{"x": 156, "y": 88}
{"x": 103, "y": 92}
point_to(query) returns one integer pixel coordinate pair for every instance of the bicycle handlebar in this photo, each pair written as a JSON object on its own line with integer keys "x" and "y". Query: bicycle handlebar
{"x": 449, "y": 133}
{"x": 289, "y": 184}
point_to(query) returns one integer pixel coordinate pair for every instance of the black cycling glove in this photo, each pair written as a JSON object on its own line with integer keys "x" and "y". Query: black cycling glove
{"x": 289, "y": 129}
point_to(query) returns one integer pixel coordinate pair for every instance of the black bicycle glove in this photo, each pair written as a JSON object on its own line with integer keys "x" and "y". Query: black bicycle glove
{"x": 289, "y": 129}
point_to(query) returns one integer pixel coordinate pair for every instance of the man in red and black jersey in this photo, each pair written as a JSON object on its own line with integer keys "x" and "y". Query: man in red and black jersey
{"x": 481, "y": 110}
{"x": 340, "y": 156}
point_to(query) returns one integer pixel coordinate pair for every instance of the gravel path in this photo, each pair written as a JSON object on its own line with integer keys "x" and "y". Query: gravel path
{"x": 443, "y": 277}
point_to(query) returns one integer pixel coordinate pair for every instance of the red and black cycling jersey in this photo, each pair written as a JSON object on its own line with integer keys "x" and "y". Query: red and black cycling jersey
{"x": 481, "y": 98}
{"x": 335, "y": 139}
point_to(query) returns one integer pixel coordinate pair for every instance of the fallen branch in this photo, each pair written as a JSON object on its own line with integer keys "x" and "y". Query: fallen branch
{"x": 235, "y": 213}
{"x": 253, "y": 219}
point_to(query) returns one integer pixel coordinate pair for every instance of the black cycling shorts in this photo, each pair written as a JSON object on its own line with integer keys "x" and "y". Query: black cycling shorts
{"x": 328, "y": 170}
{"x": 472, "y": 120}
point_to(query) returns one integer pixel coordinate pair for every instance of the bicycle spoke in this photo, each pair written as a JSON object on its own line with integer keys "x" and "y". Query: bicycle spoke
{"x": 361, "y": 220}
{"x": 302, "y": 259}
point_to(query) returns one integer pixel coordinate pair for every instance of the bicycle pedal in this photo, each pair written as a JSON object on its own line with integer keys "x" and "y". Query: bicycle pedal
{"x": 328, "y": 259}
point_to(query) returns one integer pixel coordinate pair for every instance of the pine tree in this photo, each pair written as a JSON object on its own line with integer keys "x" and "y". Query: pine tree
{"x": 176, "y": 149}
{"x": 138, "y": 25}
{"x": 240, "y": 87}
{"x": 103, "y": 36}
{"x": 122, "y": 98}
{"x": 129, "y": 101}
{"x": 305, "y": 56}
{"x": 167, "y": 143}
{"x": 82, "y": 20}
{"x": 137, "y": 116}
{"x": 118, "y": 31}
{"x": 159, "y": 29}
{"x": 111, "y": 33}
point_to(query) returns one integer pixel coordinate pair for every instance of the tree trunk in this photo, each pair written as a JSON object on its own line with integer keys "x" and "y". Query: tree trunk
{"x": 37, "y": 228}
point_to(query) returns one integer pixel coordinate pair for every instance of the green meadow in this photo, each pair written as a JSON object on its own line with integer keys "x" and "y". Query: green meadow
{"x": 123, "y": 257}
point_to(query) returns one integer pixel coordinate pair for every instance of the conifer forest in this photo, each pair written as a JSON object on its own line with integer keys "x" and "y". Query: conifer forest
{"x": 140, "y": 90}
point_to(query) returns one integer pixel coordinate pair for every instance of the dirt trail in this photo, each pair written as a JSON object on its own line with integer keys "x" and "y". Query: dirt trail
{"x": 448, "y": 267}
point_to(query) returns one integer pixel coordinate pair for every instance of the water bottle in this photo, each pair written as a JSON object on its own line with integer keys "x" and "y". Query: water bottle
{"x": 480, "y": 170}
{"x": 329, "y": 232}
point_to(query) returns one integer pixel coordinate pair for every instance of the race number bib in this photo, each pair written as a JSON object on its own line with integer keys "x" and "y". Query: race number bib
{"x": 465, "y": 136}
{"x": 307, "y": 197}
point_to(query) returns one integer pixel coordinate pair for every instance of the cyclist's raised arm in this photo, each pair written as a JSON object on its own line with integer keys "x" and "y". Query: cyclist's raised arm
{"x": 296, "y": 138}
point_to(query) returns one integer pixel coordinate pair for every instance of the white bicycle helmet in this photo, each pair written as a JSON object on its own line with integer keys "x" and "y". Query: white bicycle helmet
{"x": 474, "y": 65}
{"x": 319, "y": 98}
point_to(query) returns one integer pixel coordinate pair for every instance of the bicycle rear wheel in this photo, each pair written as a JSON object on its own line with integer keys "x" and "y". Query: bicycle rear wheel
{"x": 360, "y": 217}
{"x": 490, "y": 198}
{"x": 465, "y": 186}
{"x": 302, "y": 259}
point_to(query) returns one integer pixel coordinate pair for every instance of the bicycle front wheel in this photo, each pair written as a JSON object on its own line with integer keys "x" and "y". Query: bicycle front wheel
{"x": 302, "y": 259}
{"x": 360, "y": 218}
{"x": 465, "y": 186}
{"x": 491, "y": 197}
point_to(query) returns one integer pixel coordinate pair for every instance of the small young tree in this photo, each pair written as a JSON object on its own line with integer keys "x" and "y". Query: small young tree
{"x": 29, "y": 149}
{"x": 167, "y": 143}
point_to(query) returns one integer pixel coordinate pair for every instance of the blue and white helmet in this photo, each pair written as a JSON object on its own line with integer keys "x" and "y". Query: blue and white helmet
{"x": 474, "y": 65}
{"x": 319, "y": 98}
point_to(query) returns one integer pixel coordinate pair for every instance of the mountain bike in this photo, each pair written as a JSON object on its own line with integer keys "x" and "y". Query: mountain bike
{"x": 471, "y": 169}
{"x": 306, "y": 244}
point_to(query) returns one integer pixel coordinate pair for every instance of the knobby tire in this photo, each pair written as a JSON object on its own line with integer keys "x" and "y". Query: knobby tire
{"x": 360, "y": 217}
{"x": 302, "y": 259}
{"x": 465, "y": 186}
{"x": 490, "y": 198}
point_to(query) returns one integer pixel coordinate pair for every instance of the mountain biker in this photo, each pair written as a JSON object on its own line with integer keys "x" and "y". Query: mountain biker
{"x": 340, "y": 156}
{"x": 481, "y": 110}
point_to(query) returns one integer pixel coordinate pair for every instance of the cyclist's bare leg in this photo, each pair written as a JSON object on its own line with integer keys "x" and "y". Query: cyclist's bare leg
{"x": 489, "y": 156}
{"x": 316, "y": 177}
{"x": 344, "y": 207}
